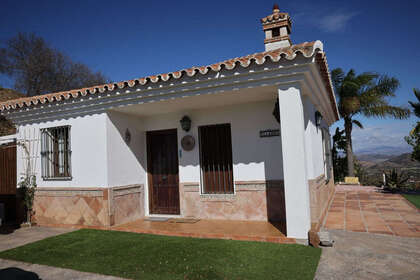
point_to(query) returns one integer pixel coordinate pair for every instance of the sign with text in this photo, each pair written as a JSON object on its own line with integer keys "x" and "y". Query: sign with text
{"x": 269, "y": 133}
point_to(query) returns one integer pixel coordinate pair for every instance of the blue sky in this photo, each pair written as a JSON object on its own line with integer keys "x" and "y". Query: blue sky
{"x": 131, "y": 39}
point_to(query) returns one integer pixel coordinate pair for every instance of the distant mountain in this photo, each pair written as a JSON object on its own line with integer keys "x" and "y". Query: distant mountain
{"x": 383, "y": 150}
{"x": 373, "y": 157}
{"x": 401, "y": 161}
{"x": 377, "y": 164}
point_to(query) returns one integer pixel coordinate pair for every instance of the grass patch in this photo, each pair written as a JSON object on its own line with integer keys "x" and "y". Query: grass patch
{"x": 413, "y": 198}
{"x": 143, "y": 256}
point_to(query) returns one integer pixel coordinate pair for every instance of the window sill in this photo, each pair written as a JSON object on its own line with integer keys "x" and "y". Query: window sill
{"x": 58, "y": 179}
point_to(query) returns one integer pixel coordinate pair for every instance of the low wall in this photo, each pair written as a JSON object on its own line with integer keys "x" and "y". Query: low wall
{"x": 127, "y": 204}
{"x": 252, "y": 201}
{"x": 321, "y": 193}
{"x": 88, "y": 206}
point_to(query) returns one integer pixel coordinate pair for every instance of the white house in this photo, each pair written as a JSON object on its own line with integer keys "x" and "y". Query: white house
{"x": 243, "y": 139}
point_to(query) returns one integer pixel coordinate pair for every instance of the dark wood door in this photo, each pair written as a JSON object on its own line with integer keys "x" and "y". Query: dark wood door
{"x": 8, "y": 180}
{"x": 162, "y": 169}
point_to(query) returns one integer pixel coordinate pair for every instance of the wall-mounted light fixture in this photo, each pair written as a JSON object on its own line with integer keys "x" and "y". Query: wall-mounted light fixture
{"x": 276, "y": 111}
{"x": 318, "y": 118}
{"x": 185, "y": 123}
{"x": 127, "y": 136}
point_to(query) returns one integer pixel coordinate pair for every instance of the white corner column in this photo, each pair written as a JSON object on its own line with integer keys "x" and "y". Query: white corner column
{"x": 296, "y": 188}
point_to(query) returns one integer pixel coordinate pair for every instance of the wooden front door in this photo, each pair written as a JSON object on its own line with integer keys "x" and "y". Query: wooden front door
{"x": 8, "y": 180}
{"x": 162, "y": 169}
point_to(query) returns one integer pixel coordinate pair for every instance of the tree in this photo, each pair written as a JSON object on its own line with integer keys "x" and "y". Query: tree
{"x": 338, "y": 150}
{"x": 414, "y": 138}
{"x": 364, "y": 94}
{"x": 37, "y": 68}
{"x": 6, "y": 126}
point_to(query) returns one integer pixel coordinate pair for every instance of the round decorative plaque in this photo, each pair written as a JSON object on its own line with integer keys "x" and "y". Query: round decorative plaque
{"x": 188, "y": 142}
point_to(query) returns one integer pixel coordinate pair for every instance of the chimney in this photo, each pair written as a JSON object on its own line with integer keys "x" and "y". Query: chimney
{"x": 277, "y": 29}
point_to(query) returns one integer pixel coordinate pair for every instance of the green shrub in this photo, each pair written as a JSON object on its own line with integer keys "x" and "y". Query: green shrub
{"x": 395, "y": 181}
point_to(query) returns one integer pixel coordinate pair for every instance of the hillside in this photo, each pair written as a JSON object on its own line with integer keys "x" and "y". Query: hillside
{"x": 6, "y": 127}
{"x": 375, "y": 165}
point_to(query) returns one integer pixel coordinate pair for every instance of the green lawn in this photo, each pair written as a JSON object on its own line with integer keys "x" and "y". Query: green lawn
{"x": 413, "y": 198}
{"x": 143, "y": 256}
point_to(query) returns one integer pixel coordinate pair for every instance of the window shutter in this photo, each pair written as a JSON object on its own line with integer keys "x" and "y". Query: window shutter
{"x": 216, "y": 159}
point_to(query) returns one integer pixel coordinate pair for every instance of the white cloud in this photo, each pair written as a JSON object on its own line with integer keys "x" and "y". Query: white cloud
{"x": 336, "y": 21}
{"x": 380, "y": 136}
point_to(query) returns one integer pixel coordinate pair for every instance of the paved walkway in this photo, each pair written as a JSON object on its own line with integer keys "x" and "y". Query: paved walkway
{"x": 27, "y": 235}
{"x": 364, "y": 209}
{"x": 19, "y": 270}
{"x": 27, "y": 271}
{"x": 357, "y": 255}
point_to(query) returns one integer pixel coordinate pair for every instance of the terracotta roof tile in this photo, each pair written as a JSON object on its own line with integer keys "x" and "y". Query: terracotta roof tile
{"x": 307, "y": 49}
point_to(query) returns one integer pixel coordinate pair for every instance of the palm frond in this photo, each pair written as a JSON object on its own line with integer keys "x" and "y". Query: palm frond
{"x": 416, "y": 105}
{"x": 351, "y": 75}
{"x": 384, "y": 111}
{"x": 417, "y": 93}
{"x": 366, "y": 79}
{"x": 357, "y": 123}
{"x": 337, "y": 76}
{"x": 384, "y": 87}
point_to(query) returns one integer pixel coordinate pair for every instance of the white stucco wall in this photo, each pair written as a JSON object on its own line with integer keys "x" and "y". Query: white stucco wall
{"x": 101, "y": 157}
{"x": 126, "y": 160}
{"x": 254, "y": 158}
{"x": 88, "y": 145}
{"x": 313, "y": 142}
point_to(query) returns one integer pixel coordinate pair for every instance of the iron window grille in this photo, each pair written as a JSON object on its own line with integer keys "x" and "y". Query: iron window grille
{"x": 56, "y": 153}
{"x": 216, "y": 163}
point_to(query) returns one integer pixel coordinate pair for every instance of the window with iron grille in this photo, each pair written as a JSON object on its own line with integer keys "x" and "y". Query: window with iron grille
{"x": 56, "y": 153}
{"x": 326, "y": 146}
{"x": 216, "y": 159}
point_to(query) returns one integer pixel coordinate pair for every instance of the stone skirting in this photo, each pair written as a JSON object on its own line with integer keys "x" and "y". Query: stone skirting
{"x": 252, "y": 201}
{"x": 88, "y": 206}
{"x": 320, "y": 192}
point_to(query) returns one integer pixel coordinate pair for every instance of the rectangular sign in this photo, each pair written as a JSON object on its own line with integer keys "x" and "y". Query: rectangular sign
{"x": 269, "y": 133}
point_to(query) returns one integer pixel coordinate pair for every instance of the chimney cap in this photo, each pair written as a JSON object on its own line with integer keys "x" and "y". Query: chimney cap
{"x": 277, "y": 27}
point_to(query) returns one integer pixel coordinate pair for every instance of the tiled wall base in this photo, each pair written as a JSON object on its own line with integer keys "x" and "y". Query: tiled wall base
{"x": 321, "y": 194}
{"x": 88, "y": 206}
{"x": 252, "y": 201}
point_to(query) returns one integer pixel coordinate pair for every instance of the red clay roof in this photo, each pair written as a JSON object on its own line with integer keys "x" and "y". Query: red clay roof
{"x": 307, "y": 49}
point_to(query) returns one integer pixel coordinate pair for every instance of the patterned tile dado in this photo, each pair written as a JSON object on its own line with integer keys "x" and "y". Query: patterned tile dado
{"x": 252, "y": 201}
{"x": 320, "y": 193}
{"x": 74, "y": 210}
{"x": 42, "y": 191}
{"x": 128, "y": 207}
{"x": 124, "y": 190}
{"x": 88, "y": 206}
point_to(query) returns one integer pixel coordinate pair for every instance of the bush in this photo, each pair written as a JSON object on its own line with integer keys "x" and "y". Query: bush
{"x": 395, "y": 181}
{"x": 27, "y": 188}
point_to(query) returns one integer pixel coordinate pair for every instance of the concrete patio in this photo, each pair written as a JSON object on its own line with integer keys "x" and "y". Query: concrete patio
{"x": 362, "y": 255}
{"x": 365, "y": 209}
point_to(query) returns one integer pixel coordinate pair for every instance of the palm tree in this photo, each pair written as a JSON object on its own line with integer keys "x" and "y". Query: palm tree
{"x": 416, "y": 105}
{"x": 364, "y": 94}
{"x": 414, "y": 138}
